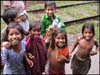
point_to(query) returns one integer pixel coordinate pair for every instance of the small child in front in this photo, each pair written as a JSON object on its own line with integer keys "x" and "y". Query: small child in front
{"x": 58, "y": 53}
{"x": 81, "y": 61}
{"x": 12, "y": 57}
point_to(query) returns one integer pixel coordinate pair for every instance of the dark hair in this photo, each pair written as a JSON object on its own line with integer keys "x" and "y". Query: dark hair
{"x": 57, "y": 31}
{"x": 34, "y": 24}
{"x": 9, "y": 13}
{"x": 48, "y": 3}
{"x": 90, "y": 26}
{"x": 14, "y": 25}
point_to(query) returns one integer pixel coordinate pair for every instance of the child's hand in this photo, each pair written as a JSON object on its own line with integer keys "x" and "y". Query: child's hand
{"x": 30, "y": 56}
{"x": 93, "y": 53}
{"x": 51, "y": 29}
{"x": 29, "y": 59}
{"x": 30, "y": 62}
{"x": 6, "y": 44}
{"x": 61, "y": 59}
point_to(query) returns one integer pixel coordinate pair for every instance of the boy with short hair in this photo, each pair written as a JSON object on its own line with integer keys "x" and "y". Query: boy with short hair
{"x": 50, "y": 18}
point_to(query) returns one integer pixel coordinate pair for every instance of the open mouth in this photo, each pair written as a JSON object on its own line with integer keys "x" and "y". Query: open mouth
{"x": 15, "y": 42}
{"x": 60, "y": 44}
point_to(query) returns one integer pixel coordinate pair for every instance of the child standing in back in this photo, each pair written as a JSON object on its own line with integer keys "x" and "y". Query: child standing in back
{"x": 50, "y": 18}
{"x": 58, "y": 53}
{"x": 81, "y": 61}
{"x": 12, "y": 57}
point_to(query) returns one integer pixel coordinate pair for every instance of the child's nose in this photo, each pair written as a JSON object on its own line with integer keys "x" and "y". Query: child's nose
{"x": 50, "y": 11}
{"x": 60, "y": 40}
{"x": 87, "y": 34}
{"x": 14, "y": 36}
{"x": 37, "y": 33}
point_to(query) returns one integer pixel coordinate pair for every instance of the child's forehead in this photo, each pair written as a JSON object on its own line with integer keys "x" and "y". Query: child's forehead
{"x": 60, "y": 35}
{"x": 50, "y": 6}
{"x": 87, "y": 29}
{"x": 13, "y": 29}
{"x": 37, "y": 27}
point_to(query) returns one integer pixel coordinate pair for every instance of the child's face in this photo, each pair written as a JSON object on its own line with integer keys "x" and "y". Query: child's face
{"x": 60, "y": 40}
{"x": 17, "y": 19}
{"x": 36, "y": 31}
{"x": 88, "y": 34}
{"x": 14, "y": 36}
{"x": 50, "y": 10}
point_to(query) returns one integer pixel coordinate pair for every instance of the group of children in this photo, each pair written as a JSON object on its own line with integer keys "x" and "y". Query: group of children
{"x": 45, "y": 45}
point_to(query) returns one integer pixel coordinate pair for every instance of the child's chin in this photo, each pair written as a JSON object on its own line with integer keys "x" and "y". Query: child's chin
{"x": 15, "y": 43}
{"x": 61, "y": 46}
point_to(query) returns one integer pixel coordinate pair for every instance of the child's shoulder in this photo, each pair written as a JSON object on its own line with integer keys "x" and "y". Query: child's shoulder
{"x": 44, "y": 16}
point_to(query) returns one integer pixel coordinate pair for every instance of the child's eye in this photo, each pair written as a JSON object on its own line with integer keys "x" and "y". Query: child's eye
{"x": 11, "y": 34}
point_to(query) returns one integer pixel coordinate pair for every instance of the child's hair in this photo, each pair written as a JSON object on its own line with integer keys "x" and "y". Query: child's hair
{"x": 90, "y": 26}
{"x": 48, "y": 3}
{"x": 57, "y": 31}
{"x": 14, "y": 25}
{"x": 9, "y": 14}
{"x": 34, "y": 24}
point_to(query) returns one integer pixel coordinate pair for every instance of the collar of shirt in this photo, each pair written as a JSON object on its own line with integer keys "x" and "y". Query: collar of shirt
{"x": 46, "y": 16}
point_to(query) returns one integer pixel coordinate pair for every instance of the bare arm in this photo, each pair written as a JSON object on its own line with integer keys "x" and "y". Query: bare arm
{"x": 75, "y": 45}
{"x": 97, "y": 48}
{"x": 63, "y": 59}
{"x": 30, "y": 62}
{"x": 96, "y": 44}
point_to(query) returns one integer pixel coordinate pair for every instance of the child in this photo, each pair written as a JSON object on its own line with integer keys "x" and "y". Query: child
{"x": 81, "y": 61}
{"x": 9, "y": 16}
{"x": 58, "y": 53}
{"x": 20, "y": 7}
{"x": 35, "y": 29}
{"x": 50, "y": 18}
{"x": 12, "y": 57}
{"x": 36, "y": 48}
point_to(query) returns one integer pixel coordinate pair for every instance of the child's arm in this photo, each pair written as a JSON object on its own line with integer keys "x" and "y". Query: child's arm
{"x": 4, "y": 56}
{"x": 30, "y": 62}
{"x": 76, "y": 43}
{"x": 97, "y": 48}
{"x": 63, "y": 59}
{"x": 5, "y": 44}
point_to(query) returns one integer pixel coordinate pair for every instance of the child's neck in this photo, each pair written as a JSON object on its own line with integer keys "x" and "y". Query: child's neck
{"x": 52, "y": 17}
{"x": 60, "y": 48}
{"x": 17, "y": 48}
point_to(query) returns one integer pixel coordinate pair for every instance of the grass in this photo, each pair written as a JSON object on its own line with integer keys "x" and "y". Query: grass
{"x": 38, "y": 5}
{"x": 88, "y": 9}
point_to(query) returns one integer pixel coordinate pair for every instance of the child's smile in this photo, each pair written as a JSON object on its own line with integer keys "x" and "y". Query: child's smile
{"x": 14, "y": 36}
{"x": 87, "y": 34}
{"x": 60, "y": 40}
{"x": 50, "y": 10}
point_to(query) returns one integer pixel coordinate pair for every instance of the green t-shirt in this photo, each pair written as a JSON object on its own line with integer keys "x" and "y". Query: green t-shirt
{"x": 46, "y": 21}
